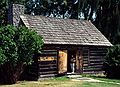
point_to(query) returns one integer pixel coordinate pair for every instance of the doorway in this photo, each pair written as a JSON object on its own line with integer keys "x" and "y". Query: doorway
{"x": 66, "y": 58}
{"x": 71, "y": 65}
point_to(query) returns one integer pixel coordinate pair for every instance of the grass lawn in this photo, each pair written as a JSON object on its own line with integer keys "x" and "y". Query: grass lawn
{"x": 103, "y": 78}
{"x": 65, "y": 82}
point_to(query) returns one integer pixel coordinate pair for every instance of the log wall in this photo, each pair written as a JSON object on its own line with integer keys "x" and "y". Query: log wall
{"x": 93, "y": 58}
{"x": 47, "y": 63}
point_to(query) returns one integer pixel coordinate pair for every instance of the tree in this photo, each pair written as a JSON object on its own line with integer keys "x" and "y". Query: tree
{"x": 17, "y": 48}
{"x": 103, "y": 13}
{"x": 108, "y": 19}
{"x": 3, "y": 12}
{"x": 112, "y": 62}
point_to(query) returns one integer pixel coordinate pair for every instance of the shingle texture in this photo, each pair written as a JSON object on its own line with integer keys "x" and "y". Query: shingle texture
{"x": 66, "y": 31}
{"x": 14, "y": 12}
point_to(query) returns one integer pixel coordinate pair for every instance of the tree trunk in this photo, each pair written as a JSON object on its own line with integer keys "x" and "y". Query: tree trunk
{"x": 11, "y": 74}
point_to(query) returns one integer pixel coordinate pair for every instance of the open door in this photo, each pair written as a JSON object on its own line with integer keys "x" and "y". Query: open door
{"x": 62, "y": 62}
{"x": 71, "y": 60}
{"x": 79, "y": 61}
{"x": 78, "y": 64}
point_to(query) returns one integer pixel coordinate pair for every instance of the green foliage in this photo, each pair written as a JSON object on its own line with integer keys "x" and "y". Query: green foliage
{"x": 3, "y": 12}
{"x": 105, "y": 14}
{"x": 17, "y": 48}
{"x": 18, "y": 45}
{"x": 112, "y": 62}
{"x": 116, "y": 38}
{"x": 28, "y": 43}
{"x": 63, "y": 8}
{"x": 7, "y": 44}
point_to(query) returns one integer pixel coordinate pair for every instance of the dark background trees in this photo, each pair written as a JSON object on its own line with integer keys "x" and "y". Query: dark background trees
{"x": 112, "y": 62}
{"x": 105, "y": 14}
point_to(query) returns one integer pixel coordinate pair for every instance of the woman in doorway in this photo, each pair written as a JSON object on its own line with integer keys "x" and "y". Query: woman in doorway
{"x": 72, "y": 64}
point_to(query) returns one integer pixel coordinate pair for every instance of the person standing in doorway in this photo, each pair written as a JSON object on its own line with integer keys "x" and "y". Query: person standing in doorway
{"x": 72, "y": 64}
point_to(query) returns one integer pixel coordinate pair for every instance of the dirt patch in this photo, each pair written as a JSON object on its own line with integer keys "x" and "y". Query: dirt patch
{"x": 86, "y": 79}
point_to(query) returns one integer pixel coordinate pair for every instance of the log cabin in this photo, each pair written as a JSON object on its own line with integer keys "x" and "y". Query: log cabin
{"x": 64, "y": 39}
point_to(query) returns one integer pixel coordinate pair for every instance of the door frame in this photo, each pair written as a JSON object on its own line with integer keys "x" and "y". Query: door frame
{"x": 70, "y": 54}
{"x": 79, "y": 60}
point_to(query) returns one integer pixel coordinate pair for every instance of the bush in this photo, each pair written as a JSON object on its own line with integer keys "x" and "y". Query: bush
{"x": 112, "y": 62}
{"x": 17, "y": 47}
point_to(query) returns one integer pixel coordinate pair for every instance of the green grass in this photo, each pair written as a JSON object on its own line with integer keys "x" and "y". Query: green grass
{"x": 90, "y": 84}
{"x": 103, "y": 78}
{"x": 66, "y": 82}
{"x": 64, "y": 78}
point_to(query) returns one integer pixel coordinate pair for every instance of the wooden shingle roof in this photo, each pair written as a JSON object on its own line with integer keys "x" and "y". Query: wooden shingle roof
{"x": 66, "y": 31}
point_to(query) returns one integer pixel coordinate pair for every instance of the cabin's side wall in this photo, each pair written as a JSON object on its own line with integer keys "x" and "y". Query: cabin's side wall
{"x": 93, "y": 58}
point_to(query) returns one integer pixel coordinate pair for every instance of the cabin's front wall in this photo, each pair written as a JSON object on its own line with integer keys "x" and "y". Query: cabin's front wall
{"x": 93, "y": 58}
{"x": 55, "y": 61}
{"x": 47, "y": 63}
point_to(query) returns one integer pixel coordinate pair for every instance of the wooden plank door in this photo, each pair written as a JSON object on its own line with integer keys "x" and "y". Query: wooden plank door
{"x": 62, "y": 61}
{"x": 79, "y": 61}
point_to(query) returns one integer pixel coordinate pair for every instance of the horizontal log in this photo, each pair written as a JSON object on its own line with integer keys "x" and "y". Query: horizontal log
{"x": 47, "y": 75}
{"x": 85, "y": 59}
{"x": 49, "y": 53}
{"x": 97, "y": 51}
{"x": 44, "y": 55}
{"x": 97, "y": 54}
{"x": 91, "y": 69}
{"x": 97, "y": 57}
{"x": 47, "y": 62}
{"x": 93, "y": 72}
{"x": 96, "y": 66}
{"x": 85, "y": 65}
{"x": 50, "y": 72}
{"x": 96, "y": 63}
{"x": 86, "y": 56}
{"x": 96, "y": 60}
{"x": 47, "y": 68}
{"x": 85, "y": 53}
{"x": 49, "y": 65}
